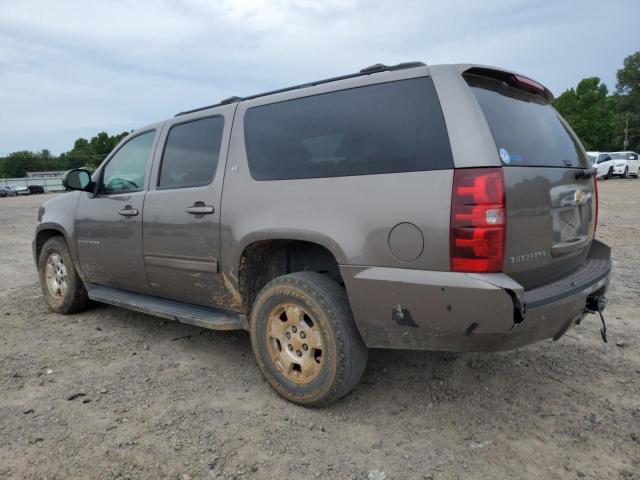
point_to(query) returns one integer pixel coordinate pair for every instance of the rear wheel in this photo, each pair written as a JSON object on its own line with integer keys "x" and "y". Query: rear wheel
{"x": 305, "y": 340}
{"x": 62, "y": 287}
{"x": 609, "y": 174}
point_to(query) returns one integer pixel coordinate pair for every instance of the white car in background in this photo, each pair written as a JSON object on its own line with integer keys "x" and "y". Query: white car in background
{"x": 603, "y": 163}
{"x": 625, "y": 164}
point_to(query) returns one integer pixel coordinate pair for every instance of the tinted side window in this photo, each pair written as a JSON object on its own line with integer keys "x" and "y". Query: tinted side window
{"x": 127, "y": 169}
{"x": 385, "y": 128}
{"x": 191, "y": 153}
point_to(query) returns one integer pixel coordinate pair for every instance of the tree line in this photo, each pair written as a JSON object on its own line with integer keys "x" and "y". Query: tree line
{"x": 601, "y": 120}
{"x": 85, "y": 153}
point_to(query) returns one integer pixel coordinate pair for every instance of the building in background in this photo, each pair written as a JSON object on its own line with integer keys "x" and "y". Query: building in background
{"x": 49, "y": 174}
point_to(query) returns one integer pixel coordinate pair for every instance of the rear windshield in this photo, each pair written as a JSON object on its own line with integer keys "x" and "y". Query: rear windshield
{"x": 526, "y": 128}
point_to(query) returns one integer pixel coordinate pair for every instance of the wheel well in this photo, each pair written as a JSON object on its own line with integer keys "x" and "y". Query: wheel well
{"x": 42, "y": 238}
{"x": 265, "y": 260}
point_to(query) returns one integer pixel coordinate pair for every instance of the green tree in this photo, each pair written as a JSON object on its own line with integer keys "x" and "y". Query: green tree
{"x": 89, "y": 153}
{"x": 590, "y": 112}
{"x": 17, "y": 164}
{"x": 627, "y": 100}
{"x": 85, "y": 153}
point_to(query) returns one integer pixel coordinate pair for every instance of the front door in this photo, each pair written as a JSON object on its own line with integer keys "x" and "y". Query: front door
{"x": 109, "y": 224}
{"x": 181, "y": 221}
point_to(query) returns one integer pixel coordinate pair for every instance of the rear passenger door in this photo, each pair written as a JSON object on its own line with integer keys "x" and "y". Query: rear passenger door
{"x": 181, "y": 222}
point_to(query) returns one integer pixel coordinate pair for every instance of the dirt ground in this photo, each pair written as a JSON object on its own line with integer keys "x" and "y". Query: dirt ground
{"x": 113, "y": 394}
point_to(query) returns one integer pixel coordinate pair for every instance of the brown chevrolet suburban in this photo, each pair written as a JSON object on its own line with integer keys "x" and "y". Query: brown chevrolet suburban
{"x": 444, "y": 207}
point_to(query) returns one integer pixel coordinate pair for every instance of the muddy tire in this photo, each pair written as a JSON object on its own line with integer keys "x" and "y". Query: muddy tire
{"x": 61, "y": 286}
{"x": 305, "y": 339}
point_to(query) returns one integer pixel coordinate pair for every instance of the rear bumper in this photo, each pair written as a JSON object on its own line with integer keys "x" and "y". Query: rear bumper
{"x": 447, "y": 311}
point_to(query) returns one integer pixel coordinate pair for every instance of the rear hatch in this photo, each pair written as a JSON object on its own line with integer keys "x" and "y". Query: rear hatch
{"x": 549, "y": 190}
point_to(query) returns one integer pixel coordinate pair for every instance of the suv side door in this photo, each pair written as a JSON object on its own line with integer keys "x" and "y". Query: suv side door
{"x": 108, "y": 229}
{"x": 181, "y": 222}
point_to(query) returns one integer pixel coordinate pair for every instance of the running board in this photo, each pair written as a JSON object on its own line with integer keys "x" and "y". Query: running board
{"x": 205, "y": 317}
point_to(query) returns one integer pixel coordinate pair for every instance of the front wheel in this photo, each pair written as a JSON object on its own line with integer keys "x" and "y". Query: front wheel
{"x": 305, "y": 340}
{"x": 609, "y": 174}
{"x": 61, "y": 285}
{"x": 626, "y": 172}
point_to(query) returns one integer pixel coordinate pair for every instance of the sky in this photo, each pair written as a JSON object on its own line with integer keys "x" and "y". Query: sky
{"x": 73, "y": 68}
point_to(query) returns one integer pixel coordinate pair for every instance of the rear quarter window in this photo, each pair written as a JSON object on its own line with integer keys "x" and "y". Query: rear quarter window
{"x": 384, "y": 128}
{"x": 527, "y": 130}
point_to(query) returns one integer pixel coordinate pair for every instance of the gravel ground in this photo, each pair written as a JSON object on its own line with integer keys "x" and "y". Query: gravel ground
{"x": 111, "y": 394}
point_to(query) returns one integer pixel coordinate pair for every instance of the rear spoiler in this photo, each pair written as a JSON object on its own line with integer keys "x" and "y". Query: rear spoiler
{"x": 514, "y": 80}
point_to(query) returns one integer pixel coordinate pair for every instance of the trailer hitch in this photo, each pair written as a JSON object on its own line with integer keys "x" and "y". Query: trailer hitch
{"x": 596, "y": 304}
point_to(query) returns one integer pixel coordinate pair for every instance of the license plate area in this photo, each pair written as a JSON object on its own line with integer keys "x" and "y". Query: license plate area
{"x": 571, "y": 212}
{"x": 569, "y": 222}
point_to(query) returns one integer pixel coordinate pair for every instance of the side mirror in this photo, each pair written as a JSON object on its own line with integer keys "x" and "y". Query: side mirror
{"x": 78, "y": 179}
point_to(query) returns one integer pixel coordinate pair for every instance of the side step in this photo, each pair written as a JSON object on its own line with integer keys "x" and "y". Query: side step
{"x": 205, "y": 317}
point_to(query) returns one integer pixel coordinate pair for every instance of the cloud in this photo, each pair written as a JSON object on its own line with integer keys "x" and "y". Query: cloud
{"x": 71, "y": 68}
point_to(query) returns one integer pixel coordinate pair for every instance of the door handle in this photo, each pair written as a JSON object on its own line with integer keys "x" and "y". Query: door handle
{"x": 199, "y": 208}
{"x": 127, "y": 211}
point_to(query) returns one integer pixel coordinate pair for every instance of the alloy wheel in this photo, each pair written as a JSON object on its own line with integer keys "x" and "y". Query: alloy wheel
{"x": 294, "y": 343}
{"x": 56, "y": 275}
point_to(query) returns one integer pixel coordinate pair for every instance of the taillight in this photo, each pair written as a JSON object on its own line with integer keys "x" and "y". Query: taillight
{"x": 595, "y": 191}
{"x": 477, "y": 231}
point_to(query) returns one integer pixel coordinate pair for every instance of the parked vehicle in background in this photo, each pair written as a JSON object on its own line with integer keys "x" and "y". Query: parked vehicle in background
{"x": 626, "y": 164}
{"x": 35, "y": 189}
{"x": 4, "y": 192}
{"x": 365, "y": 211}
{"x": 22, "y": 190}
{"x": 9, "y": 191}
{"x": 602, "y": 162}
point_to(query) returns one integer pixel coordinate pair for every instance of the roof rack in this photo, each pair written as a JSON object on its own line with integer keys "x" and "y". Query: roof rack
{"x": 378, "y": 67}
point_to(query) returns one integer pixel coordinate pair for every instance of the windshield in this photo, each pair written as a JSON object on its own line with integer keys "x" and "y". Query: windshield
{"x": 526, "y": 128}
{"x": 592, "y": 158}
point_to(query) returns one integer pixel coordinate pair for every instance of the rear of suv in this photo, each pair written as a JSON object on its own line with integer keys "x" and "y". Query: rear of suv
{"x": 446, "y": 207}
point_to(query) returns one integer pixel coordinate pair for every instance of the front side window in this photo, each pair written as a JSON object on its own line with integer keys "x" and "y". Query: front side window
{"x": 127, "y": 169}
{"x": 385, "y": 128}
{"x": 191, "y": 153}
